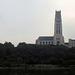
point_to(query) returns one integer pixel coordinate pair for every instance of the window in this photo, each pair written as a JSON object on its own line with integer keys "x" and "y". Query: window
{"x": 40, "y": 42}
{"x": 52, "y": 42}
{"x": 49, "y": 43}
{"x": 46, "y": 43}
{"x": 43, "y": 43}
{"x": 57, "y": 31}
{"x": 58, "y": 42}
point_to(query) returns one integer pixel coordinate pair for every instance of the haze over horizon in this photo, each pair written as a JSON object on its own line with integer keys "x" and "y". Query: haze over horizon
{"x": 26, "y": 20}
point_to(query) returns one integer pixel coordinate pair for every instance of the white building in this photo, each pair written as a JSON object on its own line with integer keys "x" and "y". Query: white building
{"x": 58, "y": 38}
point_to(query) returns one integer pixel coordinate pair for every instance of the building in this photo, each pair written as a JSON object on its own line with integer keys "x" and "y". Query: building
{"x": 45, "y": 40}
{"x": 58, "y": 38}
{"x": 71, "y": 43}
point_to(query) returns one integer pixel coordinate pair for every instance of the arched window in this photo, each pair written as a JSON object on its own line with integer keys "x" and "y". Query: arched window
{"x": 46, "y": 43}
{"x": 58, "y": 42}
{"x": 49, "y": 42}
{"x": 52, "y": 43}
{"x": 40, "y": 42}
{"x": 43, "y": 43}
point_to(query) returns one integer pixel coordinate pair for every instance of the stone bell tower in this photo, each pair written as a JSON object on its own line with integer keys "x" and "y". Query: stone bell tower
{"x": 58, "y": 37}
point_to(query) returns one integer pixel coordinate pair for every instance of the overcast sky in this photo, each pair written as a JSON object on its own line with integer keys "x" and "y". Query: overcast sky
{"x": 26, "y": 20}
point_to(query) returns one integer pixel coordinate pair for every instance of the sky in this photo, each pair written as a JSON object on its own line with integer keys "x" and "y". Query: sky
{"x": 26, "y": 20}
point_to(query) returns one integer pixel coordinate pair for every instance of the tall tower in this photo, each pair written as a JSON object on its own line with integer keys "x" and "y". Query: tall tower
{"x": 58, "y": 37}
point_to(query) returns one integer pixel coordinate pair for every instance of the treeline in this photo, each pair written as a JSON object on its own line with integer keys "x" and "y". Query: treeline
{"x": 24, "y": 54}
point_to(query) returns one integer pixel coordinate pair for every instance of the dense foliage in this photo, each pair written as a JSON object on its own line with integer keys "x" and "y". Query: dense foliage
{"x": 35, "y": 54}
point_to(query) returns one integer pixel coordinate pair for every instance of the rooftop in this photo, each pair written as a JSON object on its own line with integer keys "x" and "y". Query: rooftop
{"x": 45, "y": 38}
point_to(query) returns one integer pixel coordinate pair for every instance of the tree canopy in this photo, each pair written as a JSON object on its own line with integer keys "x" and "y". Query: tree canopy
{"x": 35, "y": 54}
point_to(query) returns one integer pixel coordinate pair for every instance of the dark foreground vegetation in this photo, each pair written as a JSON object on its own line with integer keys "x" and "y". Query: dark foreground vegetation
{"x": 30, "y": 54}
{"x": 35, "y": 72}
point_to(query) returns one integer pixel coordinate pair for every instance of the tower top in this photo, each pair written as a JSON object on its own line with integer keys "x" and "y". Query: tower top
{"x": 58, "y": 23}
{"x": 58, "y": 10}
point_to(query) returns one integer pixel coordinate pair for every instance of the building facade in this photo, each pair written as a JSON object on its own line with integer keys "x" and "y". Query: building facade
{"x": 71, "y": 43}
{"x": 58, "y": 38}
{"x": 45, "y": 40}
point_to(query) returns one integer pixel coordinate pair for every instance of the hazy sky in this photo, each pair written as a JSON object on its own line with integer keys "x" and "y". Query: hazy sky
{"x": 26, "y": 20}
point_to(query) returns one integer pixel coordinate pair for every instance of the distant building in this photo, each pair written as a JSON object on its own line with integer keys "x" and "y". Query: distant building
{"x": 45, "y": 40}
{"x": 66, "y": 44}
{"x": 71, "y": 43}
{"x": 58, "y": 38}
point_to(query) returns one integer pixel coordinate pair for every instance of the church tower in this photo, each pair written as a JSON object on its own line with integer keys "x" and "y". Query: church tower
{"x": 58, "y": 37}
